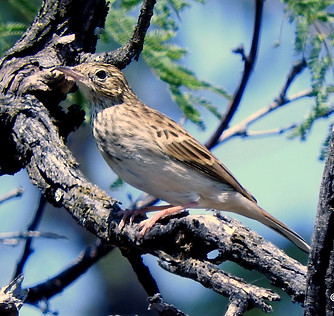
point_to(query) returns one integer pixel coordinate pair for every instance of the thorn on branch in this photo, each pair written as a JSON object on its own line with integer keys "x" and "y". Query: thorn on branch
{"x": 240, "y": 50}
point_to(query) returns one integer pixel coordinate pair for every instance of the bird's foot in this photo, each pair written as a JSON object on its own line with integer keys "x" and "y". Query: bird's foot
{"x": 147, "y": 224}
{"x": 132, "y": 214}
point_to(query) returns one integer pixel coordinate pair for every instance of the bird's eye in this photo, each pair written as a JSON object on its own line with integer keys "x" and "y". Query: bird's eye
{"x": 101, "y": 74}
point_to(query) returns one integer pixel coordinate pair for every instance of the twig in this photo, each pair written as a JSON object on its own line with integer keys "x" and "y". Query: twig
{"x": 248, "y": 67}
{"x": 11, "y": 194}
{"x": 58, "y": 283}
{"x": 240, "y": 128}
{"x": 221, "y": 282}
{"x": 149, "y": 284}
{"x": 295, "y": 70}
{"x": 144, "y": 20}
{"x": 143, "y": 273}
{"x": 123, "y": 56}
{"x": 269, "y": 132}
{"x": 13, "y": 238}
{"x": 31, "y": 227}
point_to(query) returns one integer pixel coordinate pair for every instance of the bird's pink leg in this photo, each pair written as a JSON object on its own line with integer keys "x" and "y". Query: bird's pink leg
{"x": 147, "y": 224}
{"x": 141, "y": 211}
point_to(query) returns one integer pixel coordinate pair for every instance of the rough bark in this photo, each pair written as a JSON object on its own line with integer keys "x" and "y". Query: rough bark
{"x": 320, "y": 276}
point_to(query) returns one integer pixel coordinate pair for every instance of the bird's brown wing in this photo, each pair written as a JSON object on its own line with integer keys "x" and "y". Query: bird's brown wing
{"x": 180, "y": 145}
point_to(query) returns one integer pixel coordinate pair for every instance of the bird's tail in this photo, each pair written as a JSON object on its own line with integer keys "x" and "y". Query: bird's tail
{"x": 268, "y": 220}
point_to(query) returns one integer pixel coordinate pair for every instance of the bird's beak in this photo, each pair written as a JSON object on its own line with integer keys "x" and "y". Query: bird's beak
{"x": 69, "y": 71}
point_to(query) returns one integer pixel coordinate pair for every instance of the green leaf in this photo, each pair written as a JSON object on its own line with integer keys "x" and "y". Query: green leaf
{"x": 117, "y": 184}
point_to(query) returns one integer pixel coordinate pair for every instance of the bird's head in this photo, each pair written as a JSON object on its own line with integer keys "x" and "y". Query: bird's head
{"x": 100, "y": 82}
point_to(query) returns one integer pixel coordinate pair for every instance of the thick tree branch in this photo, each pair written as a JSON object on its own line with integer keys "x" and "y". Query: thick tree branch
{"x": 249, "y": 62}
{"x": 51, "y": 166}
{"x": 320, "y": 276}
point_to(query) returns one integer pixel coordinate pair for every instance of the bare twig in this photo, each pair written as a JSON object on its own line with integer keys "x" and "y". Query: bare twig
{"x": 149, "y": 284}
{"x": 248, "y": 67}
{"x": 295, "y": 70}
{"x": 58, "y": 283}
{"x": 11, "y": 194}
{"x": 32, "y": 226}
{"x": 269, "y": 132}
{"x": 14, "y": 238}
{"x": 143, "y": 273}
{"x": 242, "y": 128}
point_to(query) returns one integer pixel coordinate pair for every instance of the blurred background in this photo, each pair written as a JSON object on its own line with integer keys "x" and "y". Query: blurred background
{"x": 283, "y": 174}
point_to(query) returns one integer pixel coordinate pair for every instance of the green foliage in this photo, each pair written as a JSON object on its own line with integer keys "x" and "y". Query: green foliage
{"x": 162, "y": 55}
{"x": 26, "y": 8}
{"x": 10, "y": 31}
{"x": 325, "y": 145}
{"x": 117, "y": 184}
{"x": 314, "y": 41}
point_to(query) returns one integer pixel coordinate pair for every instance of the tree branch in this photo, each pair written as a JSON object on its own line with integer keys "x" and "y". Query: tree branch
{"x": 241, "y": 129}
{"x": 31, "y": 227}
{"x": 221, "y": 282}
{"x": 320, "y": 276}
{"x": 123, "y": 56}
{"x": 11, "y": 194}
{"x": 58, "y": 283}
{"x": 248, "y": 67}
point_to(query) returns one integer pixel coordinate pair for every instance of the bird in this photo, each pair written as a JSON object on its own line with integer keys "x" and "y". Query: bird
{"x": 155, "y": 154}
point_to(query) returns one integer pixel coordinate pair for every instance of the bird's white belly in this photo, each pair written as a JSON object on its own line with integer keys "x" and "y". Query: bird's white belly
{"x": 170, "y": 181}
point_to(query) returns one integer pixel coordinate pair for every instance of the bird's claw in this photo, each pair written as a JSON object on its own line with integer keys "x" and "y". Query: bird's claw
{"x": 132, "y": 214}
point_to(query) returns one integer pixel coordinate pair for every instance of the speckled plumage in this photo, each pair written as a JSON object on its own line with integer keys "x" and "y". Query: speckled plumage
{"x": 155, "y": 154}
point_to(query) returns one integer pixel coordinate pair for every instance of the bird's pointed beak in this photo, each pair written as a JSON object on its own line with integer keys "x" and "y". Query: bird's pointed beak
{"x": 69, "y": 71}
